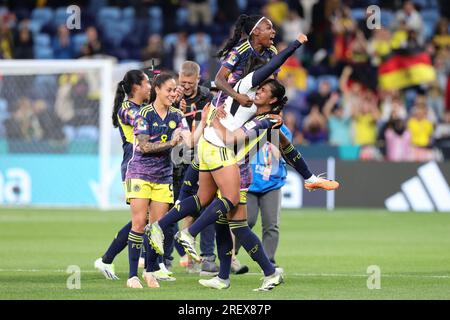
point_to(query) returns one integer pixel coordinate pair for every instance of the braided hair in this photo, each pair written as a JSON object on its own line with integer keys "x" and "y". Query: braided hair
{"x": 244, "y": 24}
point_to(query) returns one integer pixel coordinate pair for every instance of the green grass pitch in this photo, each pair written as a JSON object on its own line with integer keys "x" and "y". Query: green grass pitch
{"x": 325, "y": 256}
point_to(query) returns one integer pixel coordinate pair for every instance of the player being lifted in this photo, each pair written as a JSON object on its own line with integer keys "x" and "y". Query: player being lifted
{"x": 219, "y": 171}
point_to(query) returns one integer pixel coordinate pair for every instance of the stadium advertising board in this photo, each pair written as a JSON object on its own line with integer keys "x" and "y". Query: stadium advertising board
{"x": 394, "y": 186}
{"x": 48, "y": 180}
{"x": 296, "y": 196}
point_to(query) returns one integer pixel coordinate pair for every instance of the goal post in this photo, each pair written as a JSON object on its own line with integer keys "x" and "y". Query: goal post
{"x": 61, "y": 88}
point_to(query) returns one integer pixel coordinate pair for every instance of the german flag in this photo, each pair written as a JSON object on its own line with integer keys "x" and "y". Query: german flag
{"x": 402, "y": 70}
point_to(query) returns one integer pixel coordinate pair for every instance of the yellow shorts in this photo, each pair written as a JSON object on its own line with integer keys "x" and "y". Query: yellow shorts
{"x": 212, "y": 157}
{"x": 141, "y": 189}
{"x": 242, "y": 196}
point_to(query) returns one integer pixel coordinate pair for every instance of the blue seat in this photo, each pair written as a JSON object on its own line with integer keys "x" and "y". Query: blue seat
{"x": 332, "y": 80}
{"x": 428, "y": 29}
{"x": 192, "y": 40}
{"x": 358, "y": 14}
{"x": 43, "y": 15}
{"x": 242, "y": 4}
{"x": 35, "y": 26}
{"x": 128, "y": 13}
{"x": 169, "y": 40}
{"x": 311, "y": 84}
{"x": 108, "y": 14}
{"x": 430, "y": 15}
{"x": 213, "y": 7}
{"x": 60, "y": 16}
{"x": 421, "y": 3}
{"x": 42, "y": 40}
{"x": 182, "y": 17}
{"x": 387, "y": 18}
{"x": 78, "y": 41}
{"x": 43, "y": 52}
{"x": 155, "y": 19}
{"x": 4, "y": 114}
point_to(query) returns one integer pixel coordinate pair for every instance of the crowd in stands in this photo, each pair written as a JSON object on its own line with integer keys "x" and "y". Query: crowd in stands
{"x": 342, "y": 89}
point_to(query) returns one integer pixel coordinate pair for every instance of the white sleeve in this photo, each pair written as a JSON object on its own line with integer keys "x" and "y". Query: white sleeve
{"x": 244, "y": 85}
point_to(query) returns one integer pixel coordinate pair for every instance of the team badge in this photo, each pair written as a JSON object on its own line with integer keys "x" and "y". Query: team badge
{"x": 172, "y": 124}
{"x": 141, "y": 124}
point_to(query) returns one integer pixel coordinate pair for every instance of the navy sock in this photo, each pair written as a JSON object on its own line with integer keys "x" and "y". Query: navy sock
{"x": 134, "y": 251}
{"x": 118, "y": 244}
{"x": 218, "y": 208}
{"x": 295, "y": 159}
{"x": 252, "y": 245}
{"x": 189, "y": 206}
{"x": 224, "y": 247}
{"x": 190, "y": 183}
{"x": 151, "y": 257}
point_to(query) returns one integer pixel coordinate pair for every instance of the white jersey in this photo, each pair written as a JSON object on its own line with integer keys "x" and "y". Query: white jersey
{"x": 237, "y": 115}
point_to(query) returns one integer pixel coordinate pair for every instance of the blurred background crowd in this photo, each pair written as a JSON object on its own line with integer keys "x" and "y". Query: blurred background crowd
{"x": 384, "y": 90}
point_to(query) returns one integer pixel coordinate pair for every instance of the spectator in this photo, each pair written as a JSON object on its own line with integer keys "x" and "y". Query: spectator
{"x": 339, "y": 123}
{"x": 292, "y": 26}
{"x": 398, "y": 139}
{"x": 393, "y": 102}
{"x": 435, "y": 100}
{"x": 202, "y": 51}
{"x": 93, "y": 46}
{"x": 321, "y": 96}
{"x": 178, "y": 53}
{"x": 199, "y": 10}
{"x": 50, "y": 124}
{"x": 365, "y": 118}
{"x": 441, "y": 38}
{"x": 62, "y": 44}
{"x": 315, "y": 127}
{"x": 411, "y": 18}
{"x": 153, "y": 50}
{"x": 276, "y": 11}
{"x": 421, "y": 127}
{"x": 23, "y": 43}
{"x": 442, "y": 132}
{"x": 379, "y": 45}
{"x": 6, "y": 39}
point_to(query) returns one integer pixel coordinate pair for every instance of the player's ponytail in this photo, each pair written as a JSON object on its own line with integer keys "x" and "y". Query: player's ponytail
{"x": 124, "y": 87}
{"x": 244, "y": 26}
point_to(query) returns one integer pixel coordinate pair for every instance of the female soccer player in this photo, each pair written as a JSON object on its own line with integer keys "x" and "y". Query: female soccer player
{"x": 158, "y": 128}
{"x": 219, "y": 171}
{"x": 135, "y": 86}
{"x": 238, "y": 56}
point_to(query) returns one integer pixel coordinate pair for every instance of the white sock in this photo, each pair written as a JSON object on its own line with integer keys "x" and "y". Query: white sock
{"x": 162, "y": 266}
{"x": 312, "y": 179}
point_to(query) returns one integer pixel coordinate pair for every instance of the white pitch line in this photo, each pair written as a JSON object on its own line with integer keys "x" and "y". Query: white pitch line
{"x": 260, "y": 274}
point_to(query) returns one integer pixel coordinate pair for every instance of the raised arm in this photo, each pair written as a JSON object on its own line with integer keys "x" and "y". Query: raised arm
{"x": 277, "y": 61}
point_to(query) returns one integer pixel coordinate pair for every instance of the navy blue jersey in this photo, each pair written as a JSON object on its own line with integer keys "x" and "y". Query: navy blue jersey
{"x": 155, "y": 167}
{"x": 126, "y": 115}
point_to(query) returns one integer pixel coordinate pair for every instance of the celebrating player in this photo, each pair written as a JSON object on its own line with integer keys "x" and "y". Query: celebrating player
{"x": 136, "y": 87}
{"x": 158, "y": 128}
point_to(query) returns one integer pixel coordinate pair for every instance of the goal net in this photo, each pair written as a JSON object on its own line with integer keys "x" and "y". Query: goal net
{"x": 57, "y": 143}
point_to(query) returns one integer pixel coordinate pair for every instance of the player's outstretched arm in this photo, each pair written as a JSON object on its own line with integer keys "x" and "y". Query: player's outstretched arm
{"x": 277, "y": 61}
